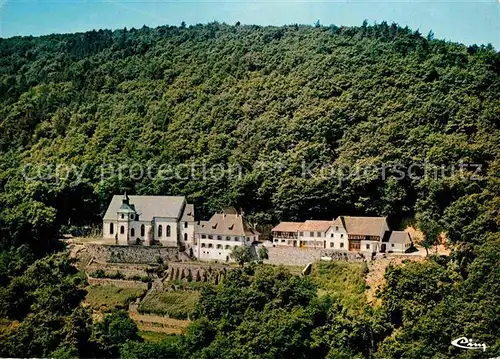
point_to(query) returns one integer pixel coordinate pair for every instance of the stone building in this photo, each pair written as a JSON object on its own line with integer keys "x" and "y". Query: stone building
{"x": 399, "y": 242}
{"x": 216, "y": 238}
{"x": 147, "y": 220}
{"x": 345, "y": 233}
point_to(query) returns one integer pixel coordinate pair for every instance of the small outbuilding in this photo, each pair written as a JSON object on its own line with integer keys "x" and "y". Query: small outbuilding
{"x": 399, "y": 242}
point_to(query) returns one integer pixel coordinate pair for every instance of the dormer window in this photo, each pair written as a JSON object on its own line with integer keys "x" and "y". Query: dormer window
{"x": 337, "y": 228}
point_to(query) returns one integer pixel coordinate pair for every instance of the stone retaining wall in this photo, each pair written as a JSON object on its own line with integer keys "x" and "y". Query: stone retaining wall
{"x": 293, "y": 255}
{"x": 120, "y": 283}
{"x": 302, "y": 256}
{"x": 196, "y": 272}
{"x": 127, "y": 270}
{"x": 347, "y": 256}
{"x": 132, "y": 254}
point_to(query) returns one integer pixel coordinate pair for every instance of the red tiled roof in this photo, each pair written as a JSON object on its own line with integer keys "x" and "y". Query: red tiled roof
{"x": 287, "y": 227}
{"x": 316, "y": 226}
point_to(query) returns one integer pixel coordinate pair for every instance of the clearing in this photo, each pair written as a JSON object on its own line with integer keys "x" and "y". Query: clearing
{"x": 106, "y": 297}
{"x": 174, "y": 304}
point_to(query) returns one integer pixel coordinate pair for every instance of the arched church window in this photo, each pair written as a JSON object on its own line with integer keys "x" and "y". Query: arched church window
{"x": 111, "y": 228}
{"x": 143, "y": 230}
{"x": 160, "y": 230}
{"x": 122, "y": 230}
{"x": 168, "y": 231}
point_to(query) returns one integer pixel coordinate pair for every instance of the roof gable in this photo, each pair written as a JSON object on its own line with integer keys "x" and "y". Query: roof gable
{"x": 226, "y": 224}
{"x": 287, "y": 227}
{"x": 400, "y": 237}
{"x": 316, "y": 226}
{"x": 366, "y": 226}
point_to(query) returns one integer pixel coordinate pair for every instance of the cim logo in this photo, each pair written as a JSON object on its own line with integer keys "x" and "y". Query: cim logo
{"x": 465, "y": 343}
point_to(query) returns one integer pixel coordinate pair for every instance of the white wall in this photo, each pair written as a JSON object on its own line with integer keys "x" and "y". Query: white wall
{"x": 105, "y": 229}
{"x": 336, "y": 238}
{"x": 397, "y": 247}
{"x": 136, "y": 225}
{"x": 374, "y": 246}
{"x": 204, "y": 252}
{"x": 313, "y": 241}
{"x": 189, "y": 231}
{"x": 122, "y": 237}
{"x": 174, "y": 231}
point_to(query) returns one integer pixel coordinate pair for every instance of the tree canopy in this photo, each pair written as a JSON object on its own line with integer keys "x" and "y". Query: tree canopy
{"x": 283, "y": 123}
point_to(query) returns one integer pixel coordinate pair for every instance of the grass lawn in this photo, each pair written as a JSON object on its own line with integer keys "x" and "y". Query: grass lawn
{"x": 342, "y": 281}
{"x": 107, "y": 297}
{"x": 155, "y": 337}
{"x": 175, "y": 304}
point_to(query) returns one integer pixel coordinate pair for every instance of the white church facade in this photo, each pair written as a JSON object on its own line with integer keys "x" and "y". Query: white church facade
{"x": 149, "y": 220}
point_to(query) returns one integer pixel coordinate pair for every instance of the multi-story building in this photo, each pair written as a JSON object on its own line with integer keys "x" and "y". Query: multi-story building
{"x": 365, "y": 234}
{"x": 147, "y": 220}
{"x": 312, "y": 234}
{"x": 287, "y": 234}
{"x": 216, "y": 238}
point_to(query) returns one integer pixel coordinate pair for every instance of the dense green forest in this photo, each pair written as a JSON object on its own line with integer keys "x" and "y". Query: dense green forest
{"x": 264, "y": 101}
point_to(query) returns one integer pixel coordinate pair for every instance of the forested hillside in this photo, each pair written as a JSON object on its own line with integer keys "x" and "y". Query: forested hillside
{"x": 265, "y": 101}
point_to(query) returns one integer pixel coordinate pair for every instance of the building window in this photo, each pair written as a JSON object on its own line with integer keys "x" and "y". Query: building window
{"x": 237, "y": 239}
{"x": 392, "y": 244}
{"x": 168, "y": 231}
{"x": 219, "y": 238}
{"x": 341, "y": 245}
{"x": 282, "y": 241}
{"x": 203, "y": 246}
{"x": 219, "y": 246}
{"x": 122, "y": 230}
{"x": 331, "y": 244}
{"x": 331, "y": 235}
{"x": 185, "y": 236}
{"x": 160, "y": 230}
{"x": 203, "y": 236}
{"x": 210, "y": 245}
{"x": 132, "y": 232}
{"x": 248, "y": 239}
{"x": 132, "y": 216}
{"x": 123, "y": 216}
{"x": 311, "y": 234}
{"x": 341, "y": 236}
{"x": 185, "y": 224}
{"x": 318, "y": 234}
{"x": 228, "y": 238}
{"x": 228, "y": 246}
{"x": 301, "y": 234}
{"x": 143, "y": 231}
{"x": 210, "y": 236}
{"x": 336, "y": 228}
{"x": 111, "y": 228}
{"x": 276, "y": 241}
{"x": 367, "y": 246}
